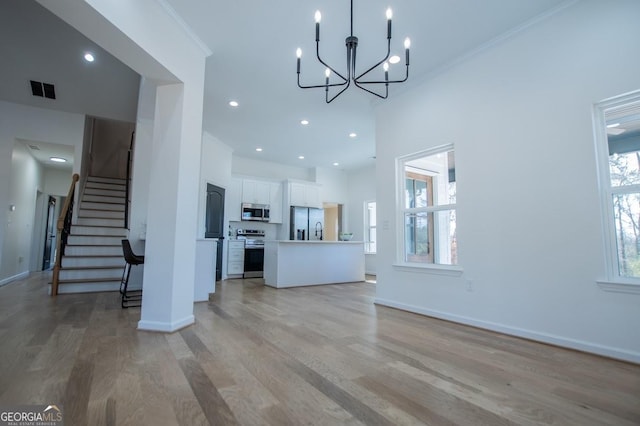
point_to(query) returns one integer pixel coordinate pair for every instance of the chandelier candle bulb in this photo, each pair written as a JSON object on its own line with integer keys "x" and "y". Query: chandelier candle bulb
{"x": 318, "y": 17}
{"x": 389, "y": 15}
{"x": 298, "y": 55}
{"x": 385, "y": 66}
{"x": 407, "y": 45}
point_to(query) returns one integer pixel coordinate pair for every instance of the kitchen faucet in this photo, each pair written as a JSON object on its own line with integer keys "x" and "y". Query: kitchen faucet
{"x": 320, "y": 231}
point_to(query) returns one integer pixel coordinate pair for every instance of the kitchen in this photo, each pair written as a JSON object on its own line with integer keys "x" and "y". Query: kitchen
{"x": 267, "y": 216}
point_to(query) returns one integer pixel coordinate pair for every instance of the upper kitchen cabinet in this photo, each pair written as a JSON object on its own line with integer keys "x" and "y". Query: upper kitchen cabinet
{"x": 304, "y": 195}
{"x": 255, "y": 192}
{"x": 275, "y": 202}
{"x": 234, "y": 200}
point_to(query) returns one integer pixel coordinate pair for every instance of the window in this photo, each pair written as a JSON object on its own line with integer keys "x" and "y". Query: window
{"x": 617, "y": 129}
{"x": 428, "y": 208}
{"x": 370, "y": 226}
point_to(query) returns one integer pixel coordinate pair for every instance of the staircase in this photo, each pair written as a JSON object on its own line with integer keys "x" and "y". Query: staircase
{"x": 93, "y": 259}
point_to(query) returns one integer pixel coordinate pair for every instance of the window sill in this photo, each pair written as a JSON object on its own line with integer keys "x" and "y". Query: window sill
{"x": 619, "y": 287}
{"x": 452, "y": 271}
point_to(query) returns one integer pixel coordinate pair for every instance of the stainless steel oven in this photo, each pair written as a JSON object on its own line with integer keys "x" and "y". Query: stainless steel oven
{"x": 253, "y": 252}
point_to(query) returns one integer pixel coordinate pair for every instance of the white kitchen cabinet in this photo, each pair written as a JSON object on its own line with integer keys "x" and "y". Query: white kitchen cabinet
{"x": 304, "y": 195}
{"x": 255, "y": 192}
{"x": 233, "y": 200}
{"x": 235, "y": 258}
{"x": 275, "y": 203}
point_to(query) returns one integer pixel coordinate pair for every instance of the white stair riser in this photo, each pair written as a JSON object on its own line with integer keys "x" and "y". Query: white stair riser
{"x": 105, "y": 192}
{"x": 105, "y": 180}
{"x": 80, "y": 262}
{"x": 86, "y": 274}
{"x": 79, "y": 240}
{"x": 98, "y": 230}
{"x": 83, "y": 213}
{"x": 102, "y": 199}
{"x": 88, "y": 287}
{"x": 113, "y": 223}
{"x": 101, "y": 206}
{"x": 93, "y": 250}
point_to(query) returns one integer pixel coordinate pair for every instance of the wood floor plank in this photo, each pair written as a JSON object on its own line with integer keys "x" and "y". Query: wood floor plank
{"x": 322, "y": 355}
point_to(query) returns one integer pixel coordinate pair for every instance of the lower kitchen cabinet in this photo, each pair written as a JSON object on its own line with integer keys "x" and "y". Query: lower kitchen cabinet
{"x": 235, "y": 258}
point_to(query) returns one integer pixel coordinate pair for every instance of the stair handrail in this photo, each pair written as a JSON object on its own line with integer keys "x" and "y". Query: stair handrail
{"x": 64, "y": 229}
{"x": 128, "y": 182}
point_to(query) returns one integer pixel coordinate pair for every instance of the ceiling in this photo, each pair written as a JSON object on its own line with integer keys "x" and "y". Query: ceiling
{"x": 253, "y": 61}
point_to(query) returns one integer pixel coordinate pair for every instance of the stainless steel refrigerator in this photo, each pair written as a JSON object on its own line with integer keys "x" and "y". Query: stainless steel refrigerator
{"x": 306, "y": 224}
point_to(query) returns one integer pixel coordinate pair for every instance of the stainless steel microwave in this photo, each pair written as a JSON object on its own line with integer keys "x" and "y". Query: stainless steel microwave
{"x": 257, "y": 212}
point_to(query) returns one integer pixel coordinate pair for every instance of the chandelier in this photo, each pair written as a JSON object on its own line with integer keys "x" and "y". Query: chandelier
{"x": 351, "y": 76}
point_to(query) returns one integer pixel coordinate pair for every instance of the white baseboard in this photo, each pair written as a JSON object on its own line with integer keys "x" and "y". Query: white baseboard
{"x": 164, "y": 326}
{"x": 19, "y": 276}
{"x": 579, "y": 345}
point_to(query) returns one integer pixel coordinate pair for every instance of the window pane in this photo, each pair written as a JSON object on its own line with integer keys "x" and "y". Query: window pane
{"x": 410, "y": 194}
{"x": 372, "y": 240}
{"x": 624, "y": 169}
{"x": 419, "y": 237}
{"x": 430, "y": 238}
{"x": 626, "y": 210}
{"x": 421, "y": 193}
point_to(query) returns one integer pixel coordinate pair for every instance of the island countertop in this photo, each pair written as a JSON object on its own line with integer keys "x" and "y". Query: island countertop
{"x": 293, "y": 263}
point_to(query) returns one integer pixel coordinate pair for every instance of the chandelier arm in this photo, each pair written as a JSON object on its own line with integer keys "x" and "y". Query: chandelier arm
{"x": 378, "y": 64}
{"x": 383, "y": 81}
{"x": 386, "y": 94}
{"x": 337, "y": 94}
{"x": 327, "y": 65}
{"x": 317, "y": 86}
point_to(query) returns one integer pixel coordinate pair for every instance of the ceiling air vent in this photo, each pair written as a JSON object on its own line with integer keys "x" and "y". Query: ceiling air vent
{"x": 34, "y": 147}
{"x": 45, "y": 90}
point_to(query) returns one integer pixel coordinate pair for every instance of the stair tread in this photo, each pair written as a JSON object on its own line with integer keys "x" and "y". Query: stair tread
{"x": 93, "y": 245}
{"x": 100, "y": 226}
{"x": 76, "y": 268}
{"x": 75, "y": 256}
{"x": 88, "y": 280}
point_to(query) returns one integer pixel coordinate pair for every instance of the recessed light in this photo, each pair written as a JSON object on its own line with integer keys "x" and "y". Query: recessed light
{"x": 394, "y": 59}
{"x": 259, "y": 149}
{"x": 301, "y": 157}
{"x": 233, "y": 104}
{"x": 89, "y": 57}
{"x": 352, "y": 135}
{"x": 336, "y": 164}
{"x": 304, "y": 122}
{"x": 58, "y": 159}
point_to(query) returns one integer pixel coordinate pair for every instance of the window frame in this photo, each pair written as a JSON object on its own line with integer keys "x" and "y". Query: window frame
{"x": 402, "y": 210}
{"x": 613, "y": 281}
{"x": 368, "y": 227}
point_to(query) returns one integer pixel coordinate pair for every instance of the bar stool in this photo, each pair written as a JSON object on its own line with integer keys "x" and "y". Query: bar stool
{"x": 130, "y": 298}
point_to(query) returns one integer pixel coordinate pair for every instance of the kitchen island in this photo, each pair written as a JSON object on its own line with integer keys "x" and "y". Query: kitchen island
{"x": 302, "y": 263}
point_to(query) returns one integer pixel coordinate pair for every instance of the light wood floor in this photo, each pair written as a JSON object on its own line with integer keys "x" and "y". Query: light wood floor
{"x": 317, "y": 355}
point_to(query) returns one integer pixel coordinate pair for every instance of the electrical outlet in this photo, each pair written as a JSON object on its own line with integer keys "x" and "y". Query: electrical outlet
{"x": 469, "y": 285}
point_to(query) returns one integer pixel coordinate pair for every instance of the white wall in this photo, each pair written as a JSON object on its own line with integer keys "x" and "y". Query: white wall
{"x": 25, "y": 181}
{"x": 145, "y": 36}
{"x": 20, "y": 122}
{"x": 243, "y": 166}
{"x": 362, "y": 188}
{"x": 57, "y": 181}
{"x": 333, "y": 183}
{"x": 529, "y": 225}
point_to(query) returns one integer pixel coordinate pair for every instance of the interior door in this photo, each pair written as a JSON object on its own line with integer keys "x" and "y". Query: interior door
{"x": 49, "y": 235}
{"x": 214, "y": 222}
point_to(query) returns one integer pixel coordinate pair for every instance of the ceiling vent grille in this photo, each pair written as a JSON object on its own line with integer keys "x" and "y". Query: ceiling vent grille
{"x": 45, "y": 90}
{"x": 34, "y": 147}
